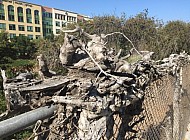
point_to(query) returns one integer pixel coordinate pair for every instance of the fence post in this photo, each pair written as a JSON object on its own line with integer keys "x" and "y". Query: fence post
{"x": 176, "y": 103}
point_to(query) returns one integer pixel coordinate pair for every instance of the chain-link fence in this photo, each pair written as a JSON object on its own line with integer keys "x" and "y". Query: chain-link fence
{"x": 148, "y": 118}
{"x": 159, "y": 116}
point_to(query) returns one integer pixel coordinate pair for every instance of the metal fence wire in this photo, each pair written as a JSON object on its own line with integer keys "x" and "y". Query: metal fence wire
{"x": 147, "y": 119}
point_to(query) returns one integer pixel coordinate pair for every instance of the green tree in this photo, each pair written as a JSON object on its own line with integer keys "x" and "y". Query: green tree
{"x": 6, "y": 50}
{"x": 50, "y": 50}
{"x": 142, "y": 30}
{"x": 24, "y": 47}
{"x": 174, "y": 38}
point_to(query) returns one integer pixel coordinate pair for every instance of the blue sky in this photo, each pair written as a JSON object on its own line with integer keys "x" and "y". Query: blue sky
{"x": 161, "y": 9}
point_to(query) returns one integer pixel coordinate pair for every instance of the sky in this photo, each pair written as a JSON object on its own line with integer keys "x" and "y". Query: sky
{"x": 165, "y": 10}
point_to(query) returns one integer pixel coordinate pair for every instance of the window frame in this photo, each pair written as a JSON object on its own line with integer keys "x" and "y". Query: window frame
{"x": 22, "y": 27}
{"x": 12, "y": 27}
{"x": 3, "y": 25}
{"x": 30, "y": 28}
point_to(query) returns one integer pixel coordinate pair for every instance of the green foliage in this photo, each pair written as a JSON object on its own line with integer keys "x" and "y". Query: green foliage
{"x": 19, "y": 47}
{"x": 6, "y": 50}
{"x": 105, "y": 25}
{"x": 22, "y": 135}
{"x": 50, "y": 50}
{"x": 19, "y": 65}
{"x": 147, "y": 33}
{"x": 3, "y": 106}
{"x": 24, "y": 48}
{"x": 50, "y": 37}
{"x": 22, "y": 63}
{"x": 174, "y": 38}
{"x": 141, "y": 30}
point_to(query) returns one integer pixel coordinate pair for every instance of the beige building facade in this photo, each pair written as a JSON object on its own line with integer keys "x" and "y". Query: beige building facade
{"x": 21, "y": 19}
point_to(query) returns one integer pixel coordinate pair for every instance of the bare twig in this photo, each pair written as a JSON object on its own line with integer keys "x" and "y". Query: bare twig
{"x": 125, "y": 38}
{"x": 97, "y": 77}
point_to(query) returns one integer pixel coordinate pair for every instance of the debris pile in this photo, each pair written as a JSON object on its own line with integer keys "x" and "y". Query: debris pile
{"x": 99, "y": 84}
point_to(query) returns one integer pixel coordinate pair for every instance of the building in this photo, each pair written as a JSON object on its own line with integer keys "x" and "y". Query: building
{"x": 21, "y": 19}
{"x": 61, "y": 18}
{"x": 26, "y": 19}
{"x": 47, "y": 21}
{"x": 82, "y": 18}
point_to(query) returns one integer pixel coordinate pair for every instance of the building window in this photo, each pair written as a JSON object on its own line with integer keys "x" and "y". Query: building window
{"x": 64, "y": 24}
{"x": 12, "y": 27}
{"x": 28, "y": 11}
{"x": 20, "y": 14}
{"x": 47, "y": 15}
{"x": 57, "y": 23}
{"x": 20, "y": 19}
{"x": 37, "y": 29}
{"x": 20, "y": 10}
{"x": 21, "y": 27}
{"x": 29, "y": 20}
{"x": 21, "y": 34}
{"x": 72, "y": 19}
{"x": 2, "y": 26}
{"x": 2, "y": 16}
{"x": 2, "y": 7}
{"x": 36, "y": 17}
{"x": 30, "y": 36}
{"x": 47, "y": 23}
{"x": 68, "y": 18}
{"x": 11, "y": 16}
{"x": 12, "y": 35}
{"x": 28, "y": 15}
{"x": 50, "y": 15}
{"x": 2, "y": 12}
{"x": 36, "y": 13}
{"x": 59, "y": 16}
{"x": 47, "y": 30}
{"x": 29, "y": 28}
{"x": 37, "y": 21}
{"x": 38, "y": 36}
{"x": 62, "y": 17}
{"x": 11, "y": 8}
{"x": 57, "y": 31}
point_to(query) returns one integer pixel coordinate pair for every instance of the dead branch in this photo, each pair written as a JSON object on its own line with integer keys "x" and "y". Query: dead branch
{"x": 125, "y": 38}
